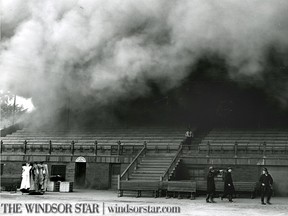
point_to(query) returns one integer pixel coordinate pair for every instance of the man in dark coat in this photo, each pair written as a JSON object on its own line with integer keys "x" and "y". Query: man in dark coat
{"x": 211, "y": 184}
{"x": 229, "y": 189}
{"x": 266, "y": 182}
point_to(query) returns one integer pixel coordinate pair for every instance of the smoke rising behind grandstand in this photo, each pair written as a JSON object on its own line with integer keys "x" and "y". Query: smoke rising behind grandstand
{"x": 89, "y": 55}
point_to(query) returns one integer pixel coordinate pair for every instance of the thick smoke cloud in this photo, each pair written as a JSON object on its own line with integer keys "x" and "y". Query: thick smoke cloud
{"x": 88, "y": 53}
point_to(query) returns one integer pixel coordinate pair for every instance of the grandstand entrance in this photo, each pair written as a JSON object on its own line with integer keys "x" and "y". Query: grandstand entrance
{"x": 80, "y": 172}
{"x": 115, "y": 170}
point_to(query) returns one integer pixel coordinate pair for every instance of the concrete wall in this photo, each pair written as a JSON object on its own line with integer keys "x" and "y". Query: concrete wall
{"x": 280, "y": 177}
{"x": 70, "y": 172}
{"x": 12, "y": 169}
{"x": 240, "y": 172}
{"x": 249, "y": 173}
{"x": 97, "y": 175}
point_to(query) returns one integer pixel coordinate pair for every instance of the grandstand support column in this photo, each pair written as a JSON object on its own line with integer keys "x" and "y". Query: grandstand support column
{"x": 25, "y": 146}
{"x": 50, "y": 147}
{"x": 1, "y": 146}
{"x": 72, "y": 147}
{"x": 95, "y": 147}
{"x": 235, "y": 149}
{"x": 120, "y": 193}
{"x": 119, "y": 147}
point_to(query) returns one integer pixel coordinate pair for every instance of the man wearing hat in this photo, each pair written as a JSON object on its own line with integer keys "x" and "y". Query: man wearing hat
{"x": 266, "y": 182}
{"x": 211, "y": 184}
{"x": 229, "y": 189}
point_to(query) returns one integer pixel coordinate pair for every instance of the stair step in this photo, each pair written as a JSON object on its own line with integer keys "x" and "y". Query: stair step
{"x": 145, "y": 179}
{"x": 149, "y": 172}
{"x": 146, "y": 174}
{"x": 154, "y": 169}
{"x": 155, "y": 162}
{"x": 151, "y": 165}
{"x": 157, "y": 158}
{"x": 160, "y": 156}
{"x": 170, "y": 155}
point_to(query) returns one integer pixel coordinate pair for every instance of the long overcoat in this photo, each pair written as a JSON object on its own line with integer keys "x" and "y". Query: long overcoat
{"x": 228, "y": 184}
{"x": 211, "y": 182}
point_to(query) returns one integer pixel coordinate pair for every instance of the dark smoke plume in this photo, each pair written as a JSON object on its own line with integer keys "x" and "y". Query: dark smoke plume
{"x": 83, "y": 55}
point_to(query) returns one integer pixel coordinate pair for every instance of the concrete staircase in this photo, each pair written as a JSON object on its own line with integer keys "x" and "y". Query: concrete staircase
{"x": 152, "y": 166}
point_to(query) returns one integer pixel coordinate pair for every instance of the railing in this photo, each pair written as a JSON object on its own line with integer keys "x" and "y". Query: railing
{"x": 50, "y": 148}
{"x": 133, "y": 164}
{"x": 243, "y": 148}
{"x": 172, "y": 165}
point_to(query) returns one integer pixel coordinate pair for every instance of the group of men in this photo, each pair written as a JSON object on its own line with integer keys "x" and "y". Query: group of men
{"x": 34, "y": 178}
{"x": 265, "y": 181}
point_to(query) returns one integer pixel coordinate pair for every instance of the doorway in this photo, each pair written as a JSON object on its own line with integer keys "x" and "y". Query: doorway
{"x": 80, "y": 172}
{"x": 115, "y": 170}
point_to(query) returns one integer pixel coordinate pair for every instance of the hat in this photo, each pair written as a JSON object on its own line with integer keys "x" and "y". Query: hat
{"x": 229, "y": 168}
{"x": 265, "y": 169}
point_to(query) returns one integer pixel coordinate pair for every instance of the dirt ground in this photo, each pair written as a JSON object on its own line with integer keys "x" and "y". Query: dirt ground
{"x": 86, "y": 202}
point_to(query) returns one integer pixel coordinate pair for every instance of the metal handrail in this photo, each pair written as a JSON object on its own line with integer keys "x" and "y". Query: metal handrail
{"x": 172, "y": 162}
{"x": 133, "y": 161}
{"x": 50, "y": 145}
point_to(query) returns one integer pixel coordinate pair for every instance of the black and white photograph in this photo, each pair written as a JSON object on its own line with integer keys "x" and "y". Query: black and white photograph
{"x": 144, "y": 107}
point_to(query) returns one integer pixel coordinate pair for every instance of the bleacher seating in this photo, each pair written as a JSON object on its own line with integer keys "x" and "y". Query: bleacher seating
{"x": 159, "y": 138}
{"x": 261, "y": 141}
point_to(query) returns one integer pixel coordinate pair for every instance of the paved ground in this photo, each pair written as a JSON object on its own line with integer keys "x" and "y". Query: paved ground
{"x": 84, "y": 202}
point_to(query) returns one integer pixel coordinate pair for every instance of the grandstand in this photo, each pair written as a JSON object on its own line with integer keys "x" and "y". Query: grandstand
{"x": 140, "y": 152}
{"x": 142, "y": 159}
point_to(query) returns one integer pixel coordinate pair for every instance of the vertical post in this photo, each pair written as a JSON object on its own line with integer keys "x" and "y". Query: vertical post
{"x": 95, "y": 147}
{"x": 50, "y": 147}
{"x": 119, "y": 146}
{"x": 1, "y": 146}
{"x": 145, "y": 147}
{"x": 25, "y": 146}
{"x": 119, "y": 186}
{"x": 72, "y": 147}
{"x": 235, "y": 149}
